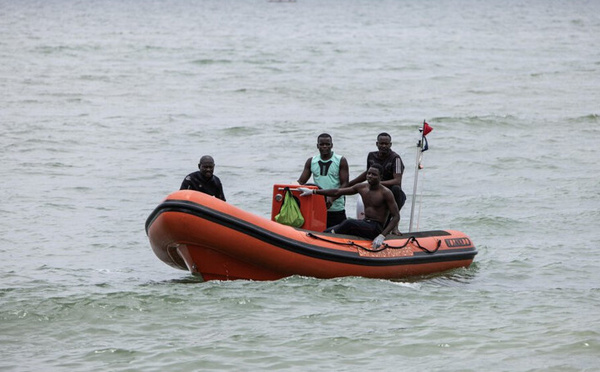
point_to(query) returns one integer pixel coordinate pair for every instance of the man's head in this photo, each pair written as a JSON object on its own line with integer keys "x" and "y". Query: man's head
{"x": 206, "y": 166}
{"x": 324, "y": 144}
{"x": 374, "y": 174}
{"x": 384, "y": 143}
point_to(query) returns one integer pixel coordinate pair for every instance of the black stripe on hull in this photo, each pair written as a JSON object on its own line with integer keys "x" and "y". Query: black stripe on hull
{"x": 292, "y": 245}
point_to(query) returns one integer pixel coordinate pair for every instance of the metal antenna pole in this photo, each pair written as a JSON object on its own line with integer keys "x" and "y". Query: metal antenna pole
{"x": 414, "y": 194}
{"x": 421, "y": 146}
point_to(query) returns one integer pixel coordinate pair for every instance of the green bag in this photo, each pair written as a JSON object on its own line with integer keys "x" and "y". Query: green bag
{"x": 290, "y": 211}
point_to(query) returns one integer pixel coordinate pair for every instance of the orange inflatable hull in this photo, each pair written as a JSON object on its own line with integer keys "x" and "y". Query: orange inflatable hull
{"x": 196, "y": 232}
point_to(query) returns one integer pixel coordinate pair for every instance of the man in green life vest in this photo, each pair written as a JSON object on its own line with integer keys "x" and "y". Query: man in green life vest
{"x": 329, "y": 171}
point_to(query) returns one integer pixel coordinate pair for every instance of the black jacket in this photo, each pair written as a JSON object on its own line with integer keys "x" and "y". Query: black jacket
{"x": 212, "y": 186}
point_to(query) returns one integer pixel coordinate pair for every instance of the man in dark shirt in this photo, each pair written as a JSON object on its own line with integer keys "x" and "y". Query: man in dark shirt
{"x": 393, "y": 169}
{"x": 204, "y": 180}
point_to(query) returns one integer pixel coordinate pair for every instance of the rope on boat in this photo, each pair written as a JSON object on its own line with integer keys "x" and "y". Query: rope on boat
{"x": 384, "y": 246}
{"x": 414, "y": 240}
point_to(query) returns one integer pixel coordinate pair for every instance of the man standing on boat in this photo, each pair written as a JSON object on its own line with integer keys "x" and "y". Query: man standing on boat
{"x": 379, "y": 204}
{"x": 204, "y": 180}
{"x": 393, "y": 169}
{"x": 329, "y": 171}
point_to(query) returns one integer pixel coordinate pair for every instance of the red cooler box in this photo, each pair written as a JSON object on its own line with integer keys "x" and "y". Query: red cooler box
{"x": 312, "y": 207}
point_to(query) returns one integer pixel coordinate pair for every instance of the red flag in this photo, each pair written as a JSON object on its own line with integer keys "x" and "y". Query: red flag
{"x": 426, "y": 129}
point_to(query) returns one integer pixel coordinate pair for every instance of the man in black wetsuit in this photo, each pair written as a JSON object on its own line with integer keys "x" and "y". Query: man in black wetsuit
{"x": 393, "y": 168}
{"x": 204, "y": 180}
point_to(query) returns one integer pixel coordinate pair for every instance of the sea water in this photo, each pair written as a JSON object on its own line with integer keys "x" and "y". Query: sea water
{"x": 107, "y": 105}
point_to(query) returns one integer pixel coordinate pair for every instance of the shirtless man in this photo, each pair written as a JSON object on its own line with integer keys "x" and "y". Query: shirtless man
{"x": 379, "y": 203}
{"x": 393, "y": 169}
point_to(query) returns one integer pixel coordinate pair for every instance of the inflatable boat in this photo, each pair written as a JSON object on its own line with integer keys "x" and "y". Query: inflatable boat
{"x": 215, "y": 240}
